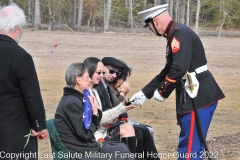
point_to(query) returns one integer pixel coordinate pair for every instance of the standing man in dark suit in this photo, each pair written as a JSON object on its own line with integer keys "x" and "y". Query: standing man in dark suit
{"x": 21, "y": 105}
{"x": 185, "y": 54}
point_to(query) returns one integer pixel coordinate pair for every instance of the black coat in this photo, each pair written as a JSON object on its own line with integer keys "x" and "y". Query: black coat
{"x": 104, "y": 97}
{"x": 68, "y": 122}
{"x": 79, "y": 141}
{"x": 185, "y": 52}
{"x": 21, "y": 104}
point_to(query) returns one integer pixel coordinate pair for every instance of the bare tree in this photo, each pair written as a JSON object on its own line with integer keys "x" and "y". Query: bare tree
{"x": 126, "y": 3}
{"x": 167, "y": 2}
{"x": 107, "y": 15}
{"x": 29, "y": 17}
{"x": 144, "y": 4}
{"x": 89, "y": 19}
{"x": 51, "y": 16}
{"x": 224, "y": 13}
{"x": 197, "y": 15}
{"x": 52, "y": 13}
{"x": 10, "y": 1}
{"x": 176, "y": 11}
{"x": 91, "y": 13}
{"x": 73, "y": 15}
{"x": 37, "y": 20}
{"x": 171, "y": 8}
{"x": 80, "y": 15}
{"x": 92, "y": 16}
{"x": 33, "y": 12}
{"x": 182, "y": 16}
{"x": 157, "y": 2}
{"x": 130, "y": 13}
{"x": 188, "y": 13}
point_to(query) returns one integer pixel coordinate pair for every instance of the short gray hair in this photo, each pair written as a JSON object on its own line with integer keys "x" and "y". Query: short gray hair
{"x": 12, "y": 16}
{"x": 73, "y": 71}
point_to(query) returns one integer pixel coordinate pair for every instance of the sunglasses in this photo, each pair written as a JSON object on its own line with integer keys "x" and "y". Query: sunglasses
{"x": 111, "y": 71}
{"x": 99, "y": 72}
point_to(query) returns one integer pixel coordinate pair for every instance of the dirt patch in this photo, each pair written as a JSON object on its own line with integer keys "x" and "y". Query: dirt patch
{"x": 226, "y": 145}
{"x": 146, "y": 55}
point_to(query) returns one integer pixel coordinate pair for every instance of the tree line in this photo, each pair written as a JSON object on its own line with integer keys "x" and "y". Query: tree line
{"x": 104, "y": 14}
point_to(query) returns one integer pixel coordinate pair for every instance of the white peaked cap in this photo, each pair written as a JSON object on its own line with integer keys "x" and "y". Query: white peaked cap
{"x": 153, "y": 12}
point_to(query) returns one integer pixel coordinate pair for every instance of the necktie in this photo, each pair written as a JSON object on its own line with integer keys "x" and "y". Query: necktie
{"x": 108, "y": 93}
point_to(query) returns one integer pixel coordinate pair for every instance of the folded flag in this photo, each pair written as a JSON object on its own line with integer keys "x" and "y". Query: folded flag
{"x": 87, "y": 110}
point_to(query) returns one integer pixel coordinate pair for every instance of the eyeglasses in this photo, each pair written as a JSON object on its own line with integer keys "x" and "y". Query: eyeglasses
{"x": 99, "y": 72}
{"x": 111, "y": 71}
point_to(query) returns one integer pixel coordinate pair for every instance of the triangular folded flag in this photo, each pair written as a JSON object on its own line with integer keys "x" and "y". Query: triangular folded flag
{"x": 87, "y": 110}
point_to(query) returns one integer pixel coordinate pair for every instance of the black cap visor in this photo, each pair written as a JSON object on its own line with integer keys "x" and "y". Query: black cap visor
{"x": 147, "y": 22}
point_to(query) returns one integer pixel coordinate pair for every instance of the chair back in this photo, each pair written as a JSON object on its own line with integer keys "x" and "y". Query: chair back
{"x": 58, "y": 148}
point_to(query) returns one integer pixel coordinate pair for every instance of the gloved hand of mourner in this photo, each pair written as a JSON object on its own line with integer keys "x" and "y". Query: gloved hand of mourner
{"x": 139, "y": 97}
{"x": 158, "y": 97}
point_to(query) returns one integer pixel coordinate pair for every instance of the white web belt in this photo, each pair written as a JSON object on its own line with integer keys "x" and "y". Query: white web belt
{"x": 192, "y": 89}
{"x": 201, "y": 69}
{"x": 198, "y": 70}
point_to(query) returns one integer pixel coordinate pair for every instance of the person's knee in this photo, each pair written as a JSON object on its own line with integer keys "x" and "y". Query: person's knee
{"x": 138, "y": 133}
{"x": 127, "y": 129}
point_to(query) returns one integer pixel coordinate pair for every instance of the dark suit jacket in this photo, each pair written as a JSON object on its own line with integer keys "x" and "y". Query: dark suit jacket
{"x": 106, "y": 103}
{"x": 21, "y": 104}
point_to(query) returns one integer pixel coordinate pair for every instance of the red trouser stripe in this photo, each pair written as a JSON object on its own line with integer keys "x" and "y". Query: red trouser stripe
{"x": 190, "y": 141}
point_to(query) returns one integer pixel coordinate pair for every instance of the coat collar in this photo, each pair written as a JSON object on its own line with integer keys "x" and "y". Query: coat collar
{"x": 7, "y": 38}
{"x": 168, "y": 31}
{"x": 70, "y": 91}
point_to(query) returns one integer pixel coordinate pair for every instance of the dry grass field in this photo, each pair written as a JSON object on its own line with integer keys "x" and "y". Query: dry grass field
{"x": 145, "y": 53}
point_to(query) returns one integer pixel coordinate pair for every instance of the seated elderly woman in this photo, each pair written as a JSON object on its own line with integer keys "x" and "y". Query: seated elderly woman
{"x": 69, "y": 120}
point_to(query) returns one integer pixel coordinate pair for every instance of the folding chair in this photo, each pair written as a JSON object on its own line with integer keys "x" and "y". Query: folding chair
{"x": 58, "y": 148}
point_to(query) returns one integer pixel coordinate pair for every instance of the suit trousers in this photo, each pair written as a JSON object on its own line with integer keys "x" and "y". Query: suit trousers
{"x": 145, "y": 143}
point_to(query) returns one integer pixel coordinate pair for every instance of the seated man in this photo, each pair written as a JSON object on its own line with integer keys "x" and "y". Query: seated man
{"x": 120, "y": 88}
{"x": 73, "y": 132}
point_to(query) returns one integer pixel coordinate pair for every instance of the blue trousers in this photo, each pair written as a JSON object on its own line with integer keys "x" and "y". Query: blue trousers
{"x": 190, "y": 146}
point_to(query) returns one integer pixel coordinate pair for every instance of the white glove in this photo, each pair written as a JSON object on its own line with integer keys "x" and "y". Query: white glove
{"x": 158, "y": 97}
{"x": 139, "y": 97}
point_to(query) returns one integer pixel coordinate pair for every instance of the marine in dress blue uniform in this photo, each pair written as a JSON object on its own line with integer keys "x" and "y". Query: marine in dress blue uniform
{"x": 184, "y": 52}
